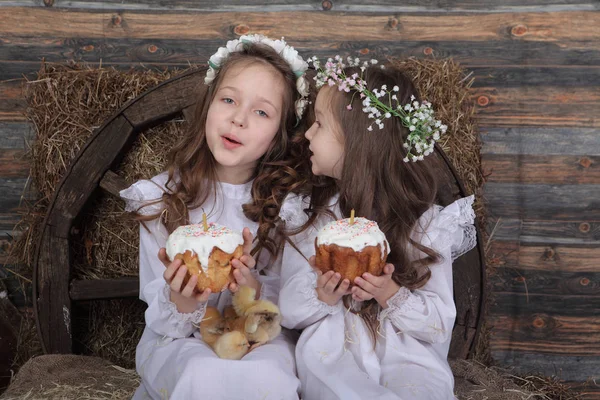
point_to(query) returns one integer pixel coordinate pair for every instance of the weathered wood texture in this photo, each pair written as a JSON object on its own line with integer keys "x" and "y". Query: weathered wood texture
{"x": 537, "y": 93}
{"x": 102, "y": 289}
{"x": 113, "y": 183}
{"x": 318, "y": 5}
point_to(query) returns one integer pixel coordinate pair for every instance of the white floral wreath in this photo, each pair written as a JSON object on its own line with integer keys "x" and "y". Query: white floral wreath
{"x": 423, "y": 129}
{"x": 289, "y": 54}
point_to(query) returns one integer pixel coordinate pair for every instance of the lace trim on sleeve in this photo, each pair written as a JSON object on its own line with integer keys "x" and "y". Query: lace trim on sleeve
{"x": 465, "y": 220}
{"x": 453, "y": 227}
{"x": 134, "y": 199}
{"x": 469, "y": 240}
{"x": 310, "y": 294}
{"x": 466, "y": 213}
{"x": 263, "y": 291}
{"x": 399, "y": 304}
{"x": 140, "y": 196}
{"x": 181, "y": 318}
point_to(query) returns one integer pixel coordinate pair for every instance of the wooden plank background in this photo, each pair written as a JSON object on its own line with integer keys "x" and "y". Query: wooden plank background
{"x": 537, "y": 90}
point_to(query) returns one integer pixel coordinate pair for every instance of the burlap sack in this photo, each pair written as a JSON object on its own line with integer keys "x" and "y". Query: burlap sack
{"x": 67, "y": 377}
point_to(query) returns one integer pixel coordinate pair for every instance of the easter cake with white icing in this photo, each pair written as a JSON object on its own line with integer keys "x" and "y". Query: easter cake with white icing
{"x": 207, "y": 252}
{"x": 351, "y": 246}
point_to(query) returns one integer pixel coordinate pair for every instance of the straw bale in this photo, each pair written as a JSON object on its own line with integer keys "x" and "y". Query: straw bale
{"x": 66, "y": 103}
{"x": 445, "y": 84}
{"x": 108, "y": 238}
{"x": 70, "y": 377}
{"x": 475, "y": 381}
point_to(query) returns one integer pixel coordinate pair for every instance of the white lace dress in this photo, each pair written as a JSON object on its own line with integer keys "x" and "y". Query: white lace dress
{"x": 171, "y": 357}
{"x": 335, "y": 355}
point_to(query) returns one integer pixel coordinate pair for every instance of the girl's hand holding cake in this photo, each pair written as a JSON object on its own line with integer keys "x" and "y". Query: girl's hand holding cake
{"x": 329, "y": 289}
{"x": 184, "y": 294}
{"x": 380, "y": 288}
{"x": 243, "y": 267}
{"x": 199, "y": 258}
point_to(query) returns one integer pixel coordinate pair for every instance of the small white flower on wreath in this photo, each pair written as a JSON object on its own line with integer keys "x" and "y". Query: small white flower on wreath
{"x": 423, "y": 129}
{"x": 288, "y": 53}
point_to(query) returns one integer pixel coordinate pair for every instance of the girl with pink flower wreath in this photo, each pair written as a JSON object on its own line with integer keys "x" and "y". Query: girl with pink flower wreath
{"x": 388, "y": 336}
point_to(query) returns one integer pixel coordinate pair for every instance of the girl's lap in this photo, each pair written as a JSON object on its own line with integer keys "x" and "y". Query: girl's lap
{"x": 414, "y": 381}
{"x": 276, "y": 356}
{"x": 184, "y": 366}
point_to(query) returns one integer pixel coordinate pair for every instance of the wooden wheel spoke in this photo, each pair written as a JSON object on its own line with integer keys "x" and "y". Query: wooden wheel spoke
{"x": 112, "y": 183}
{"x": 97, "y": 289}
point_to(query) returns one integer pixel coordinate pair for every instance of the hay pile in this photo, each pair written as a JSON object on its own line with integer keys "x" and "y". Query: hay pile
{"x": 475, "y": 381}
{"x": 65, "y": 105}
{"x": 444, "y": 84}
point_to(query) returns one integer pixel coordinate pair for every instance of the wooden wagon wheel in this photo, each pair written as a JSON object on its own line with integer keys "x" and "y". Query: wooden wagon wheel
{"x": 54, "y": 291}
{"x": 468, "y": 273}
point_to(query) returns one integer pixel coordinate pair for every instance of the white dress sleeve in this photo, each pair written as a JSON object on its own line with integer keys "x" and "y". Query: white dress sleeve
{"x": 161, "y": 315}
{"x": 298, "y": 300}
{"x": 428, "y": 313}
{"x": 146, "y": 193}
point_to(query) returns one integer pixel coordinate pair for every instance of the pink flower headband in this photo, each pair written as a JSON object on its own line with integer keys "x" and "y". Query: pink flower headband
{"x": 423, "y": 129}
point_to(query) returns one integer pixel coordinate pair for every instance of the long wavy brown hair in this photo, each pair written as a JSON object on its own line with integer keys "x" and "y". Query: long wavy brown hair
{"x": 377, "y": 184}
{"x": 192, "y": 176}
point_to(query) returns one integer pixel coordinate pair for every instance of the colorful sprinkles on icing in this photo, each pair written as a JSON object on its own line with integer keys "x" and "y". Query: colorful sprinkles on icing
{"x": 357, "y": 235}
{"x": 196, "y": 230}
{"x": 201, "y": 242}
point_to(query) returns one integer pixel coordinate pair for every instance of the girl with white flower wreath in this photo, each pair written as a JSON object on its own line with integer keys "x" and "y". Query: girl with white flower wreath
{"x": 388, "y": 336}
{"x": 233, "y": 165}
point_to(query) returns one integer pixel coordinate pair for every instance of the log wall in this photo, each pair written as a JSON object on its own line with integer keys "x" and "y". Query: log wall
{"x": 537, "y": 93}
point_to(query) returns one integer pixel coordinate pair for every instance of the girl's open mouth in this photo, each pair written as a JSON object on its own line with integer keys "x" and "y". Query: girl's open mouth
{"x": 232, "y": 140}
{"x": 230, "y": 143}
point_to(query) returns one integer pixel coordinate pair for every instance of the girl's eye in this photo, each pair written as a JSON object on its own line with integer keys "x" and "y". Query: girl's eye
{"x": 228, "y": 100}
{"x": 262, "y": 113}
{"x": 318, "y": 124}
